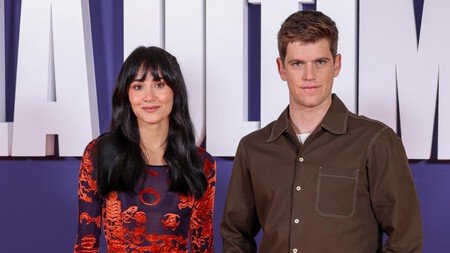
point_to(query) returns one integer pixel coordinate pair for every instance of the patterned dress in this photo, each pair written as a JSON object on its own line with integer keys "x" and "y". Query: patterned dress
{"x": 154, "y": 220}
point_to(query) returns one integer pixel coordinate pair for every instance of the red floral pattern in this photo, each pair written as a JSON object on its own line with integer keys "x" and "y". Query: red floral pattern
{"x": 154, "y": 220}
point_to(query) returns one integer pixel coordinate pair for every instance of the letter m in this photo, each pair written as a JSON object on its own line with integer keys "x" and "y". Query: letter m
{"x": 402, "y": 72}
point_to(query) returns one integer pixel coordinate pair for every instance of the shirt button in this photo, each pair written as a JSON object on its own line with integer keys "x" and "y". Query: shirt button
{"x": 300, "y": 159}
{"x": 298, "y": 188}
{"x": 296, "y": 221}
{"x": 294, "y": 250}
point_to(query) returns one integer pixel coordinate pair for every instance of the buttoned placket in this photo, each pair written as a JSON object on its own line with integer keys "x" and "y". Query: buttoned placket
{"x": 296, "y": 218}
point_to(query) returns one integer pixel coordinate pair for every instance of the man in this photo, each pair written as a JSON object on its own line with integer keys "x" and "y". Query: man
{"x": 320, "y": 178}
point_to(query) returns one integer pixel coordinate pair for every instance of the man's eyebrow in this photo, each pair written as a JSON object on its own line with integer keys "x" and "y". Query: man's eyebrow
{"x": 295, "y": 60}
{"x": 323, "y": 59}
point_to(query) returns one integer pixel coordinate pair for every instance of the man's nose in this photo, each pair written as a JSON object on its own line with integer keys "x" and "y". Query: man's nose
{"x": 310, "y": 72}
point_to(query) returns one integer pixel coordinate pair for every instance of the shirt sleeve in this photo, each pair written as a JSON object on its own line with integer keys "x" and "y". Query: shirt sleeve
{"x": 89, "y": 207}
{"x": 201, "y": 223}
{"x": 394, "y": 198}
{"x": 240, "y": 222}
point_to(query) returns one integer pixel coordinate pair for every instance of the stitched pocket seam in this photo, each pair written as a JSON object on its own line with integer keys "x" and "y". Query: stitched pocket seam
{"x": 355, "y": 190}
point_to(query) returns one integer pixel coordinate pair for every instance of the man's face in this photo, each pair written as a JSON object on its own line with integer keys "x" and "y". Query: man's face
{"x": 309, "y": 70}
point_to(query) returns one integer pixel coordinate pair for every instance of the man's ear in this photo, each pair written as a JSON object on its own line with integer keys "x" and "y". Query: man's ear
{"x": 337, "y": 64}
{"x": 281, "y": 69}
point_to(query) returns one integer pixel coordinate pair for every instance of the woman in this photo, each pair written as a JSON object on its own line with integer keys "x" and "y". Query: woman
{"x": 144, "y": 179}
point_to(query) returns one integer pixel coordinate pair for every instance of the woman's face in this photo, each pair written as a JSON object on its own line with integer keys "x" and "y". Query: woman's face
{"x": 151, "y": 100}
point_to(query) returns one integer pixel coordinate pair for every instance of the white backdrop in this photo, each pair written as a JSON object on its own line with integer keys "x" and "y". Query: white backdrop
{"x": 210, "y": 39}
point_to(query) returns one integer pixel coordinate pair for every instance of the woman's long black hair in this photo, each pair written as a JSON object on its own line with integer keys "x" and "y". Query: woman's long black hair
{"x": 118, "y": 159}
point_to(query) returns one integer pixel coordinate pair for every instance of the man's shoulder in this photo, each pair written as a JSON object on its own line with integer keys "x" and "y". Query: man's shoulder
{"x": 362, "y": 122}
{"x": 258, "y": 136}
{"x": 372, "y": 130}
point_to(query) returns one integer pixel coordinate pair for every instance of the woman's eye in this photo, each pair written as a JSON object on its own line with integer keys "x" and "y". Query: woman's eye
{"x": 159, "y": 84}
{"x": 136, "y": 87}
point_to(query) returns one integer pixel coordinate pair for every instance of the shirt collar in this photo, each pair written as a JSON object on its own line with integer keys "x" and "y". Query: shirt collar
{"x": 335, "y": 120}
{"x": 280, "y": 125}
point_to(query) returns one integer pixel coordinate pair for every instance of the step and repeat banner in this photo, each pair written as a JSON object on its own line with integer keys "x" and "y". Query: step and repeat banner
{"x": 59, "y": 60}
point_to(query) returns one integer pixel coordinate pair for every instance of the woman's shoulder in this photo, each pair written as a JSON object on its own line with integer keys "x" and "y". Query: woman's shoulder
{"x": 208, "y": 161}
{"x": 204, "y": 154}
{"x": 88, "y": 151}
{"x": 93, "y": 144}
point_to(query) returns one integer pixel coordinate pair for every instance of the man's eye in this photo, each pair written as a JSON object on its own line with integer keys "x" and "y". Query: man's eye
{"x": 296, "y": 64}
{"x": 321, "y": 62}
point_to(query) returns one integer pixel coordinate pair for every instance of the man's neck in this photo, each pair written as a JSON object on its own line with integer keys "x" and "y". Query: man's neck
{"x": 306, "y": 119}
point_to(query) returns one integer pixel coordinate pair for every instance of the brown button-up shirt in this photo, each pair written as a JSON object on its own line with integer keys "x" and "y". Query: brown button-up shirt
{"x": 338, "y": 192}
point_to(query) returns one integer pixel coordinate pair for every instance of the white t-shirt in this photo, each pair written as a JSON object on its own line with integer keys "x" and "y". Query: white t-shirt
{"x": 302, "y": 137}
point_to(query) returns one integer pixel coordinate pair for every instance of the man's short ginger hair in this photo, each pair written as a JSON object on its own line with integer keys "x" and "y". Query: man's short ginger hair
{"x": 307, "y": 27}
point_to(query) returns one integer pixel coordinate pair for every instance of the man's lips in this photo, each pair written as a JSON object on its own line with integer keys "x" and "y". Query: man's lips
{"x": 150, "y": 108}
{"x": 310, "y": 88}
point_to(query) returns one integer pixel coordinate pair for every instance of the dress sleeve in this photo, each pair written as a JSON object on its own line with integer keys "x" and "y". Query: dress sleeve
{"x": 89, "y": 207}
{"x": 201, "y": 223}
{"x": 394, "y": 198}
{"x": 240, "y": 222}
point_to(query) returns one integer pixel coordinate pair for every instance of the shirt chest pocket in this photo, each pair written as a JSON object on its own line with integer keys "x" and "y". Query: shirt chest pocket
{"x": 336, "y": 192}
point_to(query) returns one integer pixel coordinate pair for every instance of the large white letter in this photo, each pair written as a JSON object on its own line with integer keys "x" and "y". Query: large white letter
{"x": 185, "y": 39}
{"x": 344, "y": 13}
{"x": 391, "y": 59}
{"x": 5, "y": 128}
{"x": 143, "y": 24}
{"x": 2, "y": 64}
{"x": 436, "y": 15}
{"x": 226, "y": 76}
{"x": 55, "y": 90}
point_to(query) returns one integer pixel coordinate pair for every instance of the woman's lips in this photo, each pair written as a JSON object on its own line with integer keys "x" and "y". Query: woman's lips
{"x": 150, "y": 108}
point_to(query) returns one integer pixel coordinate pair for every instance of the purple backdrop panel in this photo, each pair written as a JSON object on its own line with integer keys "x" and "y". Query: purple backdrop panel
{"x": 432, "y": 184}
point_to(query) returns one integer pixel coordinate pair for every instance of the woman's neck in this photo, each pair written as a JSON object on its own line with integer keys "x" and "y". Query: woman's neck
{"x": 154, "y": 142}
